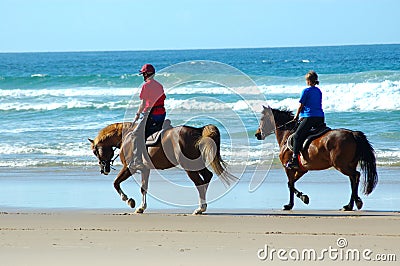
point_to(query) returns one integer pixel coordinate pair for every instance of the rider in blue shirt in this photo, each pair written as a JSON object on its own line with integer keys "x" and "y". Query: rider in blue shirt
{"x": 310, "y": 113}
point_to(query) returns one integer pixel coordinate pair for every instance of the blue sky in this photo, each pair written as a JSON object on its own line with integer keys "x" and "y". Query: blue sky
{"x": 93, "y": 25}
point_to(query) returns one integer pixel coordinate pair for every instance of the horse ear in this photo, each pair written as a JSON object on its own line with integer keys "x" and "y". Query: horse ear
{"x": 266, "y": 108}
{"x": 92, "y": 141}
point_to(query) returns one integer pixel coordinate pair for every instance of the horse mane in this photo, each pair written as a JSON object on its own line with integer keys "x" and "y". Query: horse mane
{"x": 113, "y": 130}
{"x": 282, "y": 116}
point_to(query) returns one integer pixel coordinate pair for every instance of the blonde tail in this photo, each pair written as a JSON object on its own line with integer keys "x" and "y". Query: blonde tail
{"x": 209, "y": 145}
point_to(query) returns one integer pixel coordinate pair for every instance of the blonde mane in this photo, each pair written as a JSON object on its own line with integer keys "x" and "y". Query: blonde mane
{"x": 110, "y": 131}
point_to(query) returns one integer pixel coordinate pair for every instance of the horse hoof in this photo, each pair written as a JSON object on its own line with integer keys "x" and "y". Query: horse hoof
{"x": 139, "y": 210}
{"x": 287, "y": 207}
{"x": 305, "y": 199}
{"x": 347, "y": 208}
{"x": 197, "y": 212}
{"x": 131, "y": 203}
{"x": 359, "y": 203}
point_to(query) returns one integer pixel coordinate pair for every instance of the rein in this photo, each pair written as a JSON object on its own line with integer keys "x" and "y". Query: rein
{"x": 279, "y": 127}
{"x": 115, "y": 157}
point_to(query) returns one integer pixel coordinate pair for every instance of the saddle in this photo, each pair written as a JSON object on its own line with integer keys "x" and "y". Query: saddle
{"x": 155, "y": 137}
{"x": 313, "y": 134}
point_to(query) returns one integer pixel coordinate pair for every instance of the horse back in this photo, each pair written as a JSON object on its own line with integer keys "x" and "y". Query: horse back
{"x": 324, "y": 150}
{"x": 336, "y": 142}
{"x": 175, "y": 140}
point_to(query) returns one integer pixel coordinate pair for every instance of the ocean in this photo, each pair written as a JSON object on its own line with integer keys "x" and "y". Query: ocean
{"x": 51, "y": 103}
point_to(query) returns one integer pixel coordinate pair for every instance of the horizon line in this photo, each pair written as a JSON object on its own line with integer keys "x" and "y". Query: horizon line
{"x": 193, "y": 49}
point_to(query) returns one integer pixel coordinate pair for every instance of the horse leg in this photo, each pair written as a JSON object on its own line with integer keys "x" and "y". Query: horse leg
{"x": 123, "y": 175}
{"x": 293, "y": 176}
{"x": 201, "y": 186}
{"x": 304, "y": 198}
{"x": 291, "y": 187}
{"x": 354, "y": 181}
{"x": 354, "y": 175}
{"x": 143, "y": 189}
{"x": 356, "y": 198}
{"x": 207, "y": 176}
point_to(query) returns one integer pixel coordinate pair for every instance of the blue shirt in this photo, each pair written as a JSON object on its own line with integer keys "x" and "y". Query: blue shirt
{"x": 311, "y": 98}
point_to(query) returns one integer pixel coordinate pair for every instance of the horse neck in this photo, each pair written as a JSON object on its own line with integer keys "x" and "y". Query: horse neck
{"x": 282, "y": 136}
{"x": 113, "y": 140}
{"x": 282, "y": 119}
{"x": 114, "y": 137}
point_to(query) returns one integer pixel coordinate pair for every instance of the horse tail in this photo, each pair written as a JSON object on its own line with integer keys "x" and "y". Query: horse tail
{"x": 209, "y": 145}
{"x": 367, "y": 161}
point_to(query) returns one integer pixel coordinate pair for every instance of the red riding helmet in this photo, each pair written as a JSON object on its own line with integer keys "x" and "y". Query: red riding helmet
{"x": 147, "y": 68}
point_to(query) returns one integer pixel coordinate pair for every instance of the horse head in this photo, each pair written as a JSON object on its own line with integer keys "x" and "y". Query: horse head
{"x": 267, "y": 124}
{"x": 104, "y": 145}
{"x": 104, "y": 154}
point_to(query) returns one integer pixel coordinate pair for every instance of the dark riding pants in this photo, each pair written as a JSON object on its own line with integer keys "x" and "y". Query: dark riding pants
{"x": 154, "y": 123}
{"x": 302, "y": 131}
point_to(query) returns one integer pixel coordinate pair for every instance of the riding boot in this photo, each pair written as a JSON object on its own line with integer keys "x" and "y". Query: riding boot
{"x": 293, "y": 163}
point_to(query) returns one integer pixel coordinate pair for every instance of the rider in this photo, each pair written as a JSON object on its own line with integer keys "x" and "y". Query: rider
{"x": 311, "y": 115}
{"x": 151, "y": 112}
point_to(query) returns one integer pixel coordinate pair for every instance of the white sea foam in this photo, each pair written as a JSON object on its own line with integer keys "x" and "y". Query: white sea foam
{"x": 80, "y": 154}
{"x": 362, "y": 96}
{"x": 336, "y": 97}
{"x": 66, "y": 104}
{"x": 193, "y": 104}
{"x": 38, "y": 75}
{"x": 343, "y": 97}
{"x": 68, "y": 92}
{"x": 388, "y": 158}
{"x": 62, "y": 149}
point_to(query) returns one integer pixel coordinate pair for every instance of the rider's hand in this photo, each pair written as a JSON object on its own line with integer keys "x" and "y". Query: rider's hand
{"x": 137, "y": 117}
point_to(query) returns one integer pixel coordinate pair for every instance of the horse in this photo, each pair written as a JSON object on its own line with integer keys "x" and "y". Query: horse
{"x": 192, "y": 148}
{"x": 342, "y": 149}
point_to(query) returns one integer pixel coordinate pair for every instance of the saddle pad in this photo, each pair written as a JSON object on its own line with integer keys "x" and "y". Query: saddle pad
{"x": 153, "y": 139}
{"x": 314, "y": 134}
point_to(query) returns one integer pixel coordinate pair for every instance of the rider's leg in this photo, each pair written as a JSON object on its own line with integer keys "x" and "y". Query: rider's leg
{"x": 298, "y": 139}
{"x": 138, "y": 144}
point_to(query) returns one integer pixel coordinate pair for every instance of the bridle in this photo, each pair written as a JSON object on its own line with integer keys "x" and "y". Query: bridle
{"x": 278, "y": 127}
{"x": 103, "y": 163}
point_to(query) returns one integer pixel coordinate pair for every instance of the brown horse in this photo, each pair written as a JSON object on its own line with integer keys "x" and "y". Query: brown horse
{"x": 192, "y": 148}
{"x": 340, "y": 148}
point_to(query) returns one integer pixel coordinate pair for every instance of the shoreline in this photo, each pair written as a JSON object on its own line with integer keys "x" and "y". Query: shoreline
{"x": 83, "y": 188}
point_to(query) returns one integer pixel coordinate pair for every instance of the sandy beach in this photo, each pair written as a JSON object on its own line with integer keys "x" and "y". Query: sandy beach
{"x": 109, "y": 237}
{"x": 74, "y": 217}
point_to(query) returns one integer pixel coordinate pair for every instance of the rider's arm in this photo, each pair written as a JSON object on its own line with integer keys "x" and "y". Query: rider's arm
{"x": 140, "y": 109}
{"x": 298, "y": 111}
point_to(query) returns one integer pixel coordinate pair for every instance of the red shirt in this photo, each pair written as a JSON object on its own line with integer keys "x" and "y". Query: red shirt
{"x": 153, "y": 94}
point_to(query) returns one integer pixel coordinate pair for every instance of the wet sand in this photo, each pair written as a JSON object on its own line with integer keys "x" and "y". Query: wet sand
{"x": 105, "y": 237}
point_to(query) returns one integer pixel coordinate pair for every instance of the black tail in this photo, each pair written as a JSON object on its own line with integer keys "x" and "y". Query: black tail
{"x": 367, "y": 161}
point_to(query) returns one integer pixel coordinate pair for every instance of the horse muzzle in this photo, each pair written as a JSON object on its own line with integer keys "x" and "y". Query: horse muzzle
{"x": 105, "y": 168}
{"x": 259, "y": 135}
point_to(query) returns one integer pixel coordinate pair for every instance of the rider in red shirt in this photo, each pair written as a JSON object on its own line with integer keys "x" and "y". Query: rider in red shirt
{"x": 150, "y": 115}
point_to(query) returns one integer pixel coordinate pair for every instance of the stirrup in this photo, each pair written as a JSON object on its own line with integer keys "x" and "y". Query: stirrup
{"x": 293, "y": 164}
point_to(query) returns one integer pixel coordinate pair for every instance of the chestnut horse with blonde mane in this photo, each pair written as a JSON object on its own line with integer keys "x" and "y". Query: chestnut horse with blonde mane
{"x": 342, "y": 149}
{"x": 192, "y": 148}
